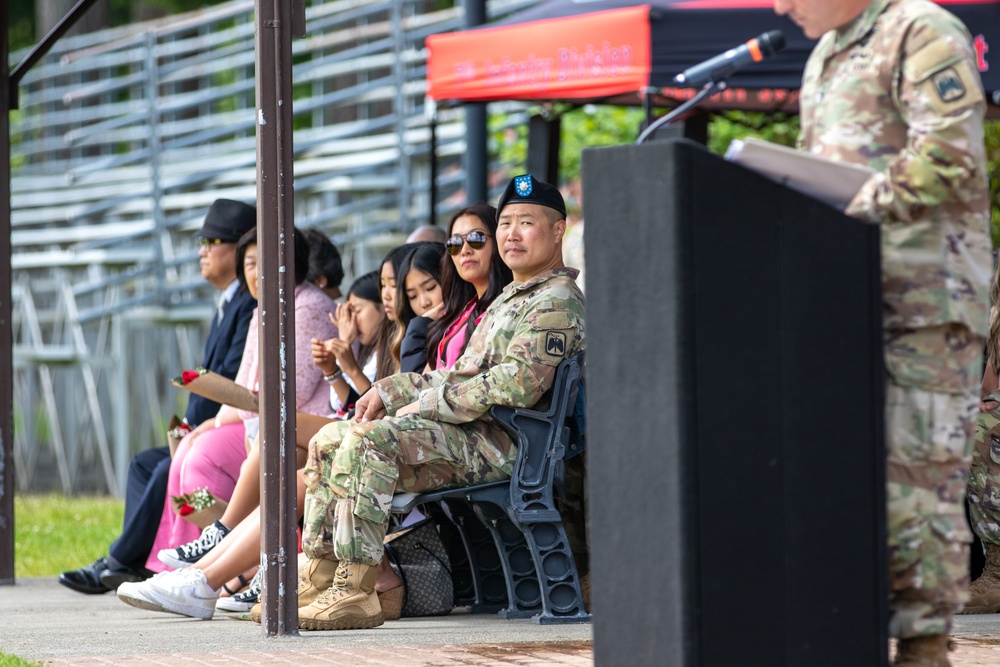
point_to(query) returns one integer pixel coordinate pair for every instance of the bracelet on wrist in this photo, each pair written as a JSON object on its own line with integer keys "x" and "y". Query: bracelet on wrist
{"x": 334, "y": 376}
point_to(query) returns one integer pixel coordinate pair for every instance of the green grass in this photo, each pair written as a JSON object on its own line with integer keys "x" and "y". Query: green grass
{"x": 7, "y": 660}
{"x": 53, "y": 533}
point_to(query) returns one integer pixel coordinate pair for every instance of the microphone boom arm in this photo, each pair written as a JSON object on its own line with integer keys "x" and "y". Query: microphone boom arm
{"x": 708, "y": 90}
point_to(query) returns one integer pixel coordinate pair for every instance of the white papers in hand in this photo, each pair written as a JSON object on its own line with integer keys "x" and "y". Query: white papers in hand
{"x": 834, "y": 183}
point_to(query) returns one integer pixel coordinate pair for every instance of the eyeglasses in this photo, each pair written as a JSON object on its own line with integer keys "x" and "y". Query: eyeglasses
{"x": 476, "y": 240}
{"x": 205, "y": 243}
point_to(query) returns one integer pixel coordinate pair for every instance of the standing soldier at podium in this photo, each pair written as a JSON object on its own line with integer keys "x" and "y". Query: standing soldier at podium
{"x": 893, "y": 85}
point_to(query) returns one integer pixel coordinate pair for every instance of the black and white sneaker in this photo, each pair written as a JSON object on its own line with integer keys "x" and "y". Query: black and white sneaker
{"x": 191, "y": 553}
{"x": 243, "y": 601}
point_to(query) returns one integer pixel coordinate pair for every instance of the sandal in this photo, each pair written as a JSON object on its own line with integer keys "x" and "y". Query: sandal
{"x": 243, "y": 584}
{"x": 391, "y": 602}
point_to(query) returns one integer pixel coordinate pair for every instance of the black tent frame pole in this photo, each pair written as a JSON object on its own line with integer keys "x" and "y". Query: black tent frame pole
{"x": 476, "y": 157}
{"x": 43, "y": 47}
{"x": 432, "y": 126}
{"x": 544, "y": 138}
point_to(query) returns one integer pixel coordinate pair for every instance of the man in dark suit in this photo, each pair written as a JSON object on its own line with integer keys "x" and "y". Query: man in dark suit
{"x": 146, "y": 489}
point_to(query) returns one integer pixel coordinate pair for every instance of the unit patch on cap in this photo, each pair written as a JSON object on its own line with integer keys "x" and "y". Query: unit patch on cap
{"x": 525, "y": 189}
{"x": 523, "y": 185}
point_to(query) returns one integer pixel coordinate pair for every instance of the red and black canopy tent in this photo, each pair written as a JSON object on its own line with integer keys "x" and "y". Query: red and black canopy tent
{"x": 614, "y": 51}
{"x": 621, "y": 52}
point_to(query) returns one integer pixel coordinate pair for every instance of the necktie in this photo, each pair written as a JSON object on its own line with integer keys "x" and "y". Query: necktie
{"x": 220, "y": 310}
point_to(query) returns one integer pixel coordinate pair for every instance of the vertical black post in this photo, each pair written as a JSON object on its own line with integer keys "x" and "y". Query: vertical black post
{"x": 433, "y": 125}
{"x": 543, "y": 148}
{"x": 6, "y": 355}
{"x": 476, "y": 157}
{"x": 276, "y": 247}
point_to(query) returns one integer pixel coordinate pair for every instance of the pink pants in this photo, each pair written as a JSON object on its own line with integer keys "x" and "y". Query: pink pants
{"x": 212, "y": 462}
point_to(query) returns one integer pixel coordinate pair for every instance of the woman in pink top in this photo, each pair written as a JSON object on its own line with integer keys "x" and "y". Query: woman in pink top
{"x": 471, "y": 278}
{"x": 211, "y": 455}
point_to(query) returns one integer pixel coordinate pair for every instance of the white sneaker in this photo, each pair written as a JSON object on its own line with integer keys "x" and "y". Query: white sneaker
{"x": 184, "y": 592}
{"x": 134, "y": 593}
{"x": 190, "y": 553}
{"x": 131, "y": 593}
{"x": 243, "y": 601}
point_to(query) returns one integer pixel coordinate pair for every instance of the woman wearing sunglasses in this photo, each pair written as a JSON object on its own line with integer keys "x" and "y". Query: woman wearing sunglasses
{"x": 470, "y": 281}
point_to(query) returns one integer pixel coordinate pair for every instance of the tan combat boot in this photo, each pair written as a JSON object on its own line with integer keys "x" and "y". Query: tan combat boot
{"x": 984, "y": 593}
{"x": 927, "y": 651}
{"x": 349, "y": 604}
{"x": 315, "y": 578}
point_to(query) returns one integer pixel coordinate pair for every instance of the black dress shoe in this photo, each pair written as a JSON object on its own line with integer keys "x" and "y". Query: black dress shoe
{"x": 86, "y": 579}
{"x": 113, "y": 577}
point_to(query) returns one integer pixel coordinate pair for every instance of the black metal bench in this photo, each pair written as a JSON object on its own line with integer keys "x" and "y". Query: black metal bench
{"x": 529, "y": 569}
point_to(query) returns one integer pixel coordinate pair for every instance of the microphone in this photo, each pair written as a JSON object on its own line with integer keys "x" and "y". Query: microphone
{"x": 723, "y": 65}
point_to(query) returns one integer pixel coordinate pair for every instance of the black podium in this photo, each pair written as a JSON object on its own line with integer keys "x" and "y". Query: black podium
{"x": 735, "y": 418}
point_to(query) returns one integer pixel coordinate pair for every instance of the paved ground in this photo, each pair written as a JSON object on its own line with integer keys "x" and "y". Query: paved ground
{"x": 41, "y": 620}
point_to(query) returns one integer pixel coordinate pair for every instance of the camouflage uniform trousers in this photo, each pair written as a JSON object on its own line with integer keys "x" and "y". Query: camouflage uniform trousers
{"x": 984, "y": 478}
{"x": 929, "y": 441}
{"x": 354, "y": 468}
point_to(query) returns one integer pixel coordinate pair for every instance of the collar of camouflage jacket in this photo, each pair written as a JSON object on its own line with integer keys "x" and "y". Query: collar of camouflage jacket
{"x": 543, "y": 277}
{"x": 860, "y": 26}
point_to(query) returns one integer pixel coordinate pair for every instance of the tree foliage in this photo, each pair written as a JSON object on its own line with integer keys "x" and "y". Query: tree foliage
{"x": 993, "y": 157}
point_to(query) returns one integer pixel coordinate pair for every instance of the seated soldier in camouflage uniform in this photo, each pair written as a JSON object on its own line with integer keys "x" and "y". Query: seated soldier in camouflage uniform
{"x": 425, "y": 432}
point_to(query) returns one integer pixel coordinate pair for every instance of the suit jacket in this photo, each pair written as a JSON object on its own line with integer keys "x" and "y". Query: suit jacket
{"x": 223, "y": 351}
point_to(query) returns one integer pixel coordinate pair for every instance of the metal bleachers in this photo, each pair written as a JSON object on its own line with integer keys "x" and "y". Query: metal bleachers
{"x": 122, "y": 140}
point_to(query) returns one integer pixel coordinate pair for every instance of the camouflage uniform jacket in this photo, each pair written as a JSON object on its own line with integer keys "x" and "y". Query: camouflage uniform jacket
{"x": 897, "y": 90}
{"x": 511, "y": 358}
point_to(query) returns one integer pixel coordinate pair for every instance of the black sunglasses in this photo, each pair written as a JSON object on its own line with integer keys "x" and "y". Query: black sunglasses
{"x": 476, "y": 240}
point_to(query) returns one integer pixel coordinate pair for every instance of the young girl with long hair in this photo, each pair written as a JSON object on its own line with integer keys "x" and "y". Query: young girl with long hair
{"x": 392, "y": 266}
{"x": 418, "y": 303}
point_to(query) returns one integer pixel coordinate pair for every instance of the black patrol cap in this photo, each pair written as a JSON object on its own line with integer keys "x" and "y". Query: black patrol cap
{"x": 526, "y": 189}
{"x": 228, "y": 220}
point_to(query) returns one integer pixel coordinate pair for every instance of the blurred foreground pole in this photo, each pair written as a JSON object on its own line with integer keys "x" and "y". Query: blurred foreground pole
{"x": 6, "y": 356}
{"x": 273, "y": 21}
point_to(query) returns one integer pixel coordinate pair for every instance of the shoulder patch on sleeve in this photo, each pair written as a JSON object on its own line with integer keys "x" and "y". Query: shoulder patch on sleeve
{"x": 945, "y": 75}
{"x": 556, "y": 330}
{"x": 953, "y": 88}
{"x": 555, "y": 343}
{"x": 949, "y": 85}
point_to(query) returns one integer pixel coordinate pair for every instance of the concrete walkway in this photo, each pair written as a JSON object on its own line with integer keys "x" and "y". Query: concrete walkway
{"x": 41, "y": 620}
